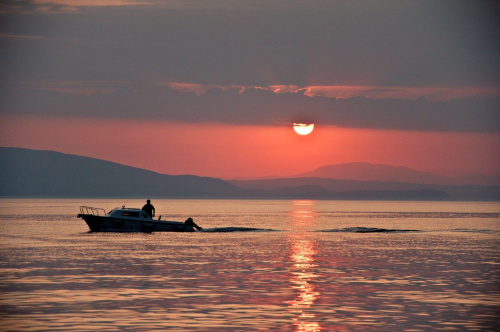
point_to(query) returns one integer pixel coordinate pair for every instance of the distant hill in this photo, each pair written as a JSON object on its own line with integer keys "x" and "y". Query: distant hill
{"x": 32, "y": 173}
{"x": 389, "y": 190}
{"x": 377, "y": 172}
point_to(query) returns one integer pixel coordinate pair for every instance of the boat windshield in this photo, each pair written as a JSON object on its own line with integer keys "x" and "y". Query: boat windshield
{"x": 111, "y": 212}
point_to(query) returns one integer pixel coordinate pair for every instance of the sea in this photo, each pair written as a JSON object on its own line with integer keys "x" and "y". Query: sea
{"x": 257, "y": 265}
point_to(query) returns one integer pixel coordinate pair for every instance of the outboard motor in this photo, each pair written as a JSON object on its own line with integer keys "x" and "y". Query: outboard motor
{"x": 190, "y": 222}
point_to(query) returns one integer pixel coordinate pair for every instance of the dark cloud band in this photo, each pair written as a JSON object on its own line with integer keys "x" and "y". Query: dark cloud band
{"x": 254, "y": 106}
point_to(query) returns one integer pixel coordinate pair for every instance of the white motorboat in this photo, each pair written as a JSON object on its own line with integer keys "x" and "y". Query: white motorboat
{"x": 131, "y": 220}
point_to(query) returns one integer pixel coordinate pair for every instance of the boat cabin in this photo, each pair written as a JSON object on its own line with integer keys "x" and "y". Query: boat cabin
{"x": 128, "y": 213}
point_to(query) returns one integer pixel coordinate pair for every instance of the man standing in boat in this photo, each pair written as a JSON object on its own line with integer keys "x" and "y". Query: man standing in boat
{"x": 149, "y": 208}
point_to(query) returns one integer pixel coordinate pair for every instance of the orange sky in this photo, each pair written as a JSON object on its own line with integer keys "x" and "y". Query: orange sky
{"x": 228, "y": 151}
{"x": 212, "y": 88}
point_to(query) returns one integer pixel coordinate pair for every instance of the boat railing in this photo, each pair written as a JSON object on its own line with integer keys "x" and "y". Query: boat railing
{"x": 92, "y": 210}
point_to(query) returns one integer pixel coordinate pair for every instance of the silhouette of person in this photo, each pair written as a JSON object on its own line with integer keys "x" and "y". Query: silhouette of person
{"x": 149, "y": 208}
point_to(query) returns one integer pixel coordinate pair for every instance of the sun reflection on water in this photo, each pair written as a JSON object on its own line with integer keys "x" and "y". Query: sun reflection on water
{"x": 302, "y": 253}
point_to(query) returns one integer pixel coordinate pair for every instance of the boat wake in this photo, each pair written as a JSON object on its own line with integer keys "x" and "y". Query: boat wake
{"x": 235, "y": 229}
{"x": 484, "y": 231}
{"x": 367, "y": 230}
{"x": 384, "y": 230}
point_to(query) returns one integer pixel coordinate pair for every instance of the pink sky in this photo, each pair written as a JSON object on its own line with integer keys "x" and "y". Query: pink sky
{"x": 230, "y": 151}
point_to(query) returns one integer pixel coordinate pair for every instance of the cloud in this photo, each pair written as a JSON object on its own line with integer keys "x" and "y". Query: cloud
{"x": 255, "y": 106}
{"x": 357, "y": 43}
{"x": 393, "y": 64}
{"x": 431, "y": 93}
{"x": 33, "y": 6}
{"x": 61, "y": 6}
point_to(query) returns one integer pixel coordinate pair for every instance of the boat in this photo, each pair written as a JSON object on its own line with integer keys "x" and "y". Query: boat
{"x": 131, "y": 220}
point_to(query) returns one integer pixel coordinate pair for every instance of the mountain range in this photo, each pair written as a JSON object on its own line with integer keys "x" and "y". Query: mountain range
{"x": 34, "y": 173}
{"x": 377, "y": 172}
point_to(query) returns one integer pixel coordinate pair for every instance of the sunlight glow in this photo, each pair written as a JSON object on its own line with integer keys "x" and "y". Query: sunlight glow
{"x": 303, "y": 129}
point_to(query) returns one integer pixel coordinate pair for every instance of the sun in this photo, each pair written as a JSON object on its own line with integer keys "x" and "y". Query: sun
{"x": 303, "y": 128}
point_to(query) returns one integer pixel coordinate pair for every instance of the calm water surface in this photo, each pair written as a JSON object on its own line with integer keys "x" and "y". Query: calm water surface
{"x": 258, "y": 265}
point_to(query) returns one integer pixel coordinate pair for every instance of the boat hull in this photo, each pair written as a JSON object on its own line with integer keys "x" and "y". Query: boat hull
{"x": 109, "y": 224}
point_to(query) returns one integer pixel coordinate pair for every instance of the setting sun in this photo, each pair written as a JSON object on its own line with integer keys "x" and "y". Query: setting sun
{"x": 303, "y": 129}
